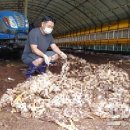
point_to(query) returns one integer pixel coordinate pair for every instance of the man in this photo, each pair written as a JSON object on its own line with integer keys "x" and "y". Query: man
{"x": 35, "y": 53}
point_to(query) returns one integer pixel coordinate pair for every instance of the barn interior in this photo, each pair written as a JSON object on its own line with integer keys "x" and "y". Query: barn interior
{"x": 89, "y": 91}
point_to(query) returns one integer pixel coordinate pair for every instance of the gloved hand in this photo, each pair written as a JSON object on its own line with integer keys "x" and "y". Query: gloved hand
{"x": 47, "y": 59}
{"x": 63, "y": 55}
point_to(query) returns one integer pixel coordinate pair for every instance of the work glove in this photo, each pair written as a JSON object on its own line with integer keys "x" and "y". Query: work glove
{"x": 63, "y": 55}
{"x": 46, "y": 59}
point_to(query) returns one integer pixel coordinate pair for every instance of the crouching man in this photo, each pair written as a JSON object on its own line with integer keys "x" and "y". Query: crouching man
{"x": 35, "y": 53}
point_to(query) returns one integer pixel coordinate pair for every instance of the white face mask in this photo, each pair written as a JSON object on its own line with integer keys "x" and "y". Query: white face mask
{"x": 48, "y": 30}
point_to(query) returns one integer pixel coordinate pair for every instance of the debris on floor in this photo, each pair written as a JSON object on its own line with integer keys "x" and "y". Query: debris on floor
{"x": 82, "y": 90}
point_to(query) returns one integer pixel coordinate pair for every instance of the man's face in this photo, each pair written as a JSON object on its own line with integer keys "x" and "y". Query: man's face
{"x": 47, "y": 25}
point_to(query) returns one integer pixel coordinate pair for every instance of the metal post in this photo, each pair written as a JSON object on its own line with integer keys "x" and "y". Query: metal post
{"x": 26, "y": 8}
{"x": 113, "y": 48}
{"x": 121, "y": 47}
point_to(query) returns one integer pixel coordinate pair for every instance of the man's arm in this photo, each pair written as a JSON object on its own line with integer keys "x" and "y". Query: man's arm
{"x": 36, "y": 50}
{"x": 56, "y": 49}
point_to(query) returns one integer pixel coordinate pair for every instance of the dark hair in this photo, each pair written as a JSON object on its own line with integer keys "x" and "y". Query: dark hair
{"x": 48, "y": 18}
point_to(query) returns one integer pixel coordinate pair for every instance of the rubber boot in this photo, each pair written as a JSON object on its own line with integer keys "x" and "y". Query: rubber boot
{"x": 31, "y": 70}
{"x": 42, "y": 68}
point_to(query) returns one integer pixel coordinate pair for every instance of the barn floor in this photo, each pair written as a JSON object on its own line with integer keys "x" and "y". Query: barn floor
{"x": 12, "y": 72}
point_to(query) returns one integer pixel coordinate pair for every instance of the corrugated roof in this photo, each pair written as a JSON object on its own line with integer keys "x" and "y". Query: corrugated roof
{"x": 72, "y": 15}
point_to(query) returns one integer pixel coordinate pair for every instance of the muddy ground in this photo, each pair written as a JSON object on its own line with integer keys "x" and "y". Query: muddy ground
{"x": 12, "y": 72}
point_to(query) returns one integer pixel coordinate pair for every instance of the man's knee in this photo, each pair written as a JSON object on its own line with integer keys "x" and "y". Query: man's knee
{"x": 38, "y": 61}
